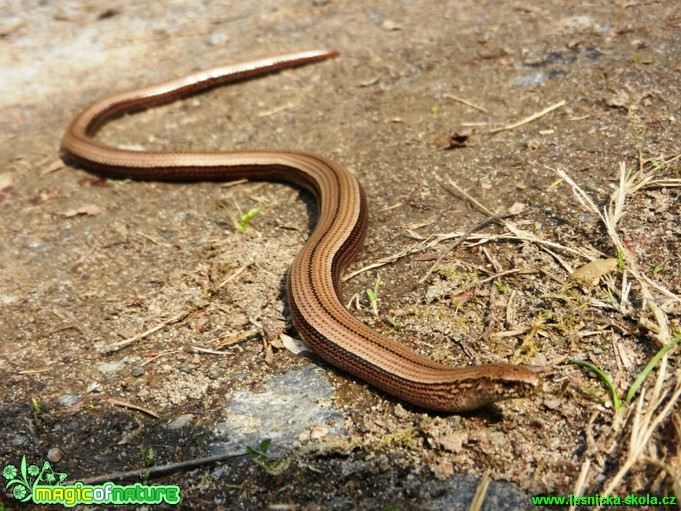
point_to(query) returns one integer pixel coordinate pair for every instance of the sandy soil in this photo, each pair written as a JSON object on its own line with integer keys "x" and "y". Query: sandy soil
{"x": 86, "y": 263}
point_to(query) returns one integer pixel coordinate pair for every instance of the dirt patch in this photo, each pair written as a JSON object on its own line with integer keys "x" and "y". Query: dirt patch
{"x": 87, "y": 263}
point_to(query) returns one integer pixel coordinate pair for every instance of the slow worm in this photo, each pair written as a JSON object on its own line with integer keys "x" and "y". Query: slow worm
{"x": 314, "y": 285}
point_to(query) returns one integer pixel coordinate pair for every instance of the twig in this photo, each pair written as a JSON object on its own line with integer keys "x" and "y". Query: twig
{"x": 467, "y": 103}
{"x": 125, "y": 404}
{"x": 483, "y": 223}
{"x": 156, "y": 357}
{"x": 529, "y": 119}
{"x": 435, "y": 239}
{"x": 75, "y": 323}
{"x": 480, "y": 493}
{"x": 506, "y": 272}
{"x": 82, "y": 258}
{"x": 519, "y": 233}
{"x": 52, "y": 167}
{"x": 235, "y": 339}
{"x": 230, "y": 184}
{"x": 416, "y": 247}
{"x": 156, "y": 470}
{"x": 280, "y": 108}
{"x": 468, "y": 197}
{"x": 234, "y": 275}
{"x": 131, "y": 340}
{"x": 210, "y": 352}
{"x": 36, "y": 371}
{"x": 578, "y": 490}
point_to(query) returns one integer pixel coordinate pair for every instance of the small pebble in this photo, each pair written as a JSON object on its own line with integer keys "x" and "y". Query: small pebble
{"x": 17, "y": 441}
{"x": 55, "y": 455}
{"x": 137, "y": 371}
{"x": 219, "y": 39}
{"x": 68, "y": 400}
{"x": 181, "y": 421}
{"x": 214, "y": 373}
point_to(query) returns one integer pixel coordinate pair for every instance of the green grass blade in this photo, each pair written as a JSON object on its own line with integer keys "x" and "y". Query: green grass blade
{"x": 606, "y": 379}
{"x": 649, "y": 367}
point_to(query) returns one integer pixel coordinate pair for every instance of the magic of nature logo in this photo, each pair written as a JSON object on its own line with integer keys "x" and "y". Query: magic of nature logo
{"x": 43, "y": 485}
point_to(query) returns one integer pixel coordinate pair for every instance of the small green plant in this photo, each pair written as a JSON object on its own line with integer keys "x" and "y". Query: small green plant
{"x": 393, "y": 323}
{"x": 148, "y": 459}
{"x": 630, "y": 172}
{"x": 617, "y": 404}
{"x": 373, "y": 296}
{"x": 501, "y": 287}
{"x": 245, "y": 219}
{"x": 116, "y": 182}
{"x": 620, "y": 261}
{"x": 656, "y": 270}
{"x": 261, "y": 457}
{"x": 37, "y": 412}
{"x": 148, "y": 456}
{"x": 403, "y": 438}
{"x": 435, "y": 110}
{"x": 610, "y": 296}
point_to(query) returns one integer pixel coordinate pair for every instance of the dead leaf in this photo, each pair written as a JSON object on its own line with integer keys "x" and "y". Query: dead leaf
{"x": 426, "y": 257}
{"x": 621, "y": 99}
{"x": 517, "y": 208}
{"x": 89, "y": 209}
{"x": 391, "y": 25}
{"x": 295, "y": 346}
{"x": 452, "y": 442}
{"x": 594, "y": 270}
{"x": 6, "y": 182}
{"x": 52, "y": 167}
{"x": 458, "y": 139}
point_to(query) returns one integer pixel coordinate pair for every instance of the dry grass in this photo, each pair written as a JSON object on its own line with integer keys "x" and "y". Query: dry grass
{"x": 651, "y": 311}
{"x": 631, "y": 439}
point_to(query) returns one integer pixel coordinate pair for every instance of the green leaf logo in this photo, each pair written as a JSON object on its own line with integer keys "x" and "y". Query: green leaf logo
{"x": 23, "y": 479}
